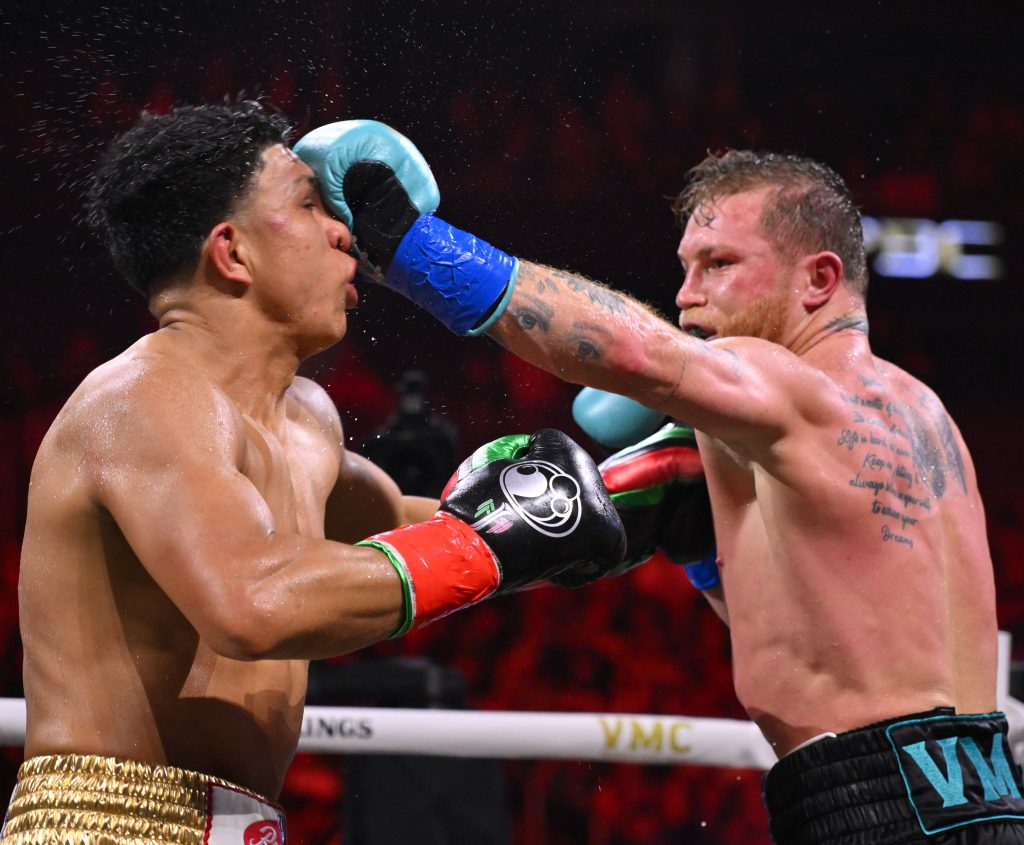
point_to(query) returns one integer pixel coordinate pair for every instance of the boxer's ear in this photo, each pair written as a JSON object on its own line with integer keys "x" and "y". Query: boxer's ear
{"x": 225, "y": 246}
{"x": 823, "y": 272}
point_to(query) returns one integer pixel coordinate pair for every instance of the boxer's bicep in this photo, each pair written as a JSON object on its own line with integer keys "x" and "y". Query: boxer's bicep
{"x": 168, "y": 475}
{"x": 364, "y": 501}
{"x": 743, "y": 391}
{"x": 751, "y": 393}
{"x": 418, "y": 509}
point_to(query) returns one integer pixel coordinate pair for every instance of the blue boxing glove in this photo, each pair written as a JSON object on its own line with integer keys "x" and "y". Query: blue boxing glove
{"x": 376, "y": 182}
{"x": 657, "y": 485}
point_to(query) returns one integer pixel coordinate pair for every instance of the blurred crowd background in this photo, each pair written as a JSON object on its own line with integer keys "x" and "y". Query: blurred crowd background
{"x": 557, "y": 134}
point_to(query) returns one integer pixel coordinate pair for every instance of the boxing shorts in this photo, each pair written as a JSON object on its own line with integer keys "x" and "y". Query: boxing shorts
{"x": 86, "y": 800}
{"x": 936, "y": 778}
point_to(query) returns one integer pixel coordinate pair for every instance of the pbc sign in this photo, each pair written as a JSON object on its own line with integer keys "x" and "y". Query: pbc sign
{"x": 917, "y": 248}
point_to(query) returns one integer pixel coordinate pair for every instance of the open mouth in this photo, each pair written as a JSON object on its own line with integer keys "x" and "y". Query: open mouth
{"x": 698, "y": 332}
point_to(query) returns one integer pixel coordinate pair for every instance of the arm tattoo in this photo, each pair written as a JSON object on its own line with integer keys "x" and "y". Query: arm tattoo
{"x": 535, "y": 314}
{"x": 599, "y": 295}
{"x": 589, "y": 340}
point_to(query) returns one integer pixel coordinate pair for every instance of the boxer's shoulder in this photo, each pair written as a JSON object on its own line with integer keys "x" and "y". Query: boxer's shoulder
{"x": 310, "y": 404}
{"x": 146, "y": 401}
{"x": 314, "y": 416}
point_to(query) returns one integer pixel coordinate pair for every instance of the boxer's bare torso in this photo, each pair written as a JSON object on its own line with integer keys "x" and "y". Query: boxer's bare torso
{"x": 113, "y": 602}
{"x": 855, "y": 565}
{"x": 175, "y": 574}
{"x": 856, "y": 575}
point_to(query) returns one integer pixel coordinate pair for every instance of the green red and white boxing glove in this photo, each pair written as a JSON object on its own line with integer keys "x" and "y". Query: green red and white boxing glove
{"x": 521, "y": 509}
{"x": 657, "y": 485}
{"x": 374, "y": 180}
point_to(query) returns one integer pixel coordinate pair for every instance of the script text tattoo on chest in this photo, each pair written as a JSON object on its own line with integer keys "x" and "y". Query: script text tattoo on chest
{"x": 900, "y": 462}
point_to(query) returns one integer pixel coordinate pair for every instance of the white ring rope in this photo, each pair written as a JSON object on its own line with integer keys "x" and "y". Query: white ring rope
{"x": 605, "y": 737}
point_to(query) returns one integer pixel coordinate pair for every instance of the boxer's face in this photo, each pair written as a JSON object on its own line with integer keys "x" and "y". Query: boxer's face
{"x": 736, "y": 281}
{"x": 297, "y": 253}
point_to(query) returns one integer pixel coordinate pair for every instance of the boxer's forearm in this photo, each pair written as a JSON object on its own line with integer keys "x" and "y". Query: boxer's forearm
{"x": 586, "y": 333}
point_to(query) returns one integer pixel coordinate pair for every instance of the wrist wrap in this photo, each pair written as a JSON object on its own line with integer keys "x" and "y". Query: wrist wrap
{"x": 704, "y": 573}
{"x": 444, "y": 565}
{"x": 461, "y": 280}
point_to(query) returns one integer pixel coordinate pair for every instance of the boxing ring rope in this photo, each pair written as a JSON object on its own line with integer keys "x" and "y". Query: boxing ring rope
{"x": 603, "y": 737}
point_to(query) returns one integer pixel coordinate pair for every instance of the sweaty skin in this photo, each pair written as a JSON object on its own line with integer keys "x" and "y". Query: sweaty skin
{"x": 175, "y": 575}
{"x": 855, "y": 566}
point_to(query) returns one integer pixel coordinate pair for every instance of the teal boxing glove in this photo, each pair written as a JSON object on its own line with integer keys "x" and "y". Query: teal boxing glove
{"x": 614, "y": 421}
{"x": 374, "y": 180}
{"x": 368, "y": 154}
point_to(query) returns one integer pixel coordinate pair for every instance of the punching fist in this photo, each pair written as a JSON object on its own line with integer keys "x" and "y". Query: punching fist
{"x": 374, "y": 180}
{"x": 659, "y": 491}
{"x": 521, "y": 509}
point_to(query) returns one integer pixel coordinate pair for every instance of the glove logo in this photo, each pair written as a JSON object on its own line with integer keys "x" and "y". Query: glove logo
{"x": 544, "y": 496}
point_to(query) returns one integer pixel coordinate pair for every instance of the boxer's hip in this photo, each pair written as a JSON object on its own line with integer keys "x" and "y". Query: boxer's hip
{"x": 86, "y": 800}
{"x": 921, "y": 778}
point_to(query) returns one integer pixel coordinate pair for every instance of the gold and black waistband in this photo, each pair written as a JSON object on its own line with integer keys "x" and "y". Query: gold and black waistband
{"x": 90, "y": 800}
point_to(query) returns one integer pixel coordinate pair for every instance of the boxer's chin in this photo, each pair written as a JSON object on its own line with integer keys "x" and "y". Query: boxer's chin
{"x": 765, "y": 319}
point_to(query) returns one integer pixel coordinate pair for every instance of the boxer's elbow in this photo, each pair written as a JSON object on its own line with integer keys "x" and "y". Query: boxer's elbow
{"x": 240, "y": 625}
{"x": 238, "y": 644}
{"x": 639, "y": 368}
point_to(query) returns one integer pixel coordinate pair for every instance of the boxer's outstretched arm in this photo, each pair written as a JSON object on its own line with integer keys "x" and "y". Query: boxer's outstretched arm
{"x": 373, "y": 178}
{"x": 587, "y": 333}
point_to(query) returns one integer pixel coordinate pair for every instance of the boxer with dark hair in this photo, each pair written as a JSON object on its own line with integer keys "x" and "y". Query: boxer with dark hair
{"x": 853, "y": 560}
{"x": 193, "y": 516}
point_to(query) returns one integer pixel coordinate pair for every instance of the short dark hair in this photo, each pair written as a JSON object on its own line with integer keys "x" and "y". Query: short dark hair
{"x": 159, "y": 187}
{"x": 810, "y": 209}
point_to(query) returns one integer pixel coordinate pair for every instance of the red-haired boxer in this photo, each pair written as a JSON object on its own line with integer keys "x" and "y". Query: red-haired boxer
{"x": 855, "y": 565}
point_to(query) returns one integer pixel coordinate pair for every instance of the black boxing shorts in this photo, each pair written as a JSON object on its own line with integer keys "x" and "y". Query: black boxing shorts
{"x": 933, "y": 778}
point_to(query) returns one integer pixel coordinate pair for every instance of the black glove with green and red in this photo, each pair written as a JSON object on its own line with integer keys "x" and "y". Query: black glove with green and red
{"x": 657, "y": 485}
{"x": 519, "y": 510}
